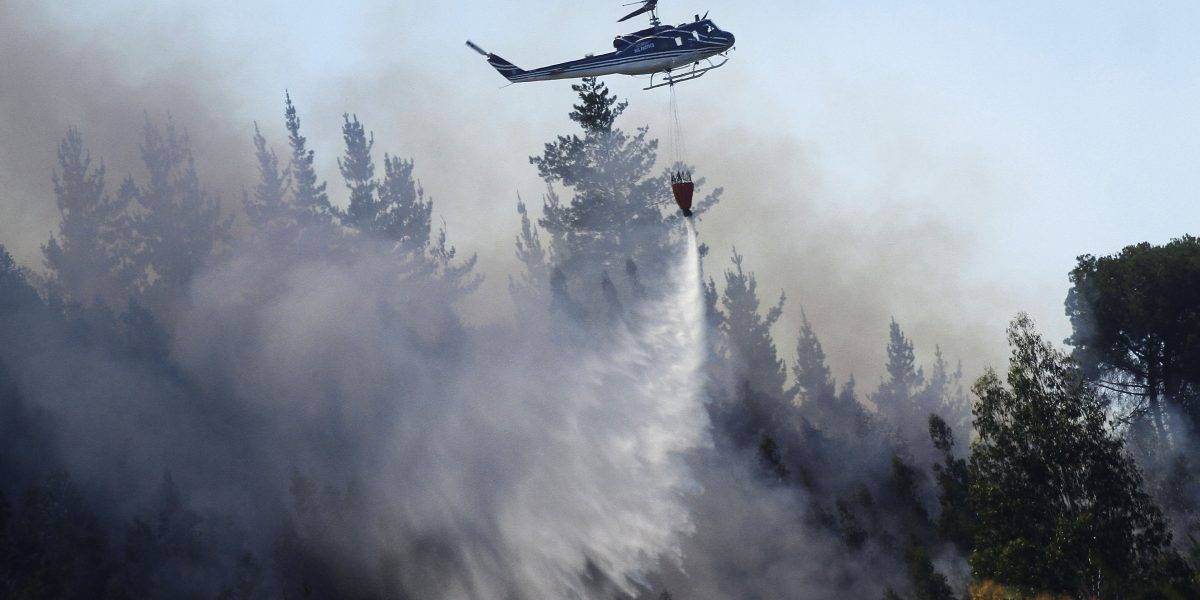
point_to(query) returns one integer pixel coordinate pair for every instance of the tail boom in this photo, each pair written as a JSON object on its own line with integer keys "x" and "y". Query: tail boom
{"x": 510, "y": 71}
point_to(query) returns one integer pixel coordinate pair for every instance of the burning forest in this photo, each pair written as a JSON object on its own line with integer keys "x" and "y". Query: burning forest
{"x": 281, "y": 393}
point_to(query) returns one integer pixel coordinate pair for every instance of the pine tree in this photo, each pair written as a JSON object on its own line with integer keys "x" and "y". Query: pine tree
{"x": 747, "y": 332}
{"x": 309, "y": 197}
{"x": 90, "y": 259}
{"x": 616, "y": 212}
{"x": 814, "y": 383}
{"x": 896, "y": 397}
{"x": 268, "y": 210}
{"x": 944, "y": 396}
{"x": 397, "y": 211}
{"x": 179, "y": 226}
{"x": 456, "y": 278}
{"x": 358, "y": 170}
{"x": 405, "y": 213}
{"x": 529, "y": 288}
{"x": 837, "y": 415}
{"x": 1136, "y": 333}
{"x": 597, "y": 110}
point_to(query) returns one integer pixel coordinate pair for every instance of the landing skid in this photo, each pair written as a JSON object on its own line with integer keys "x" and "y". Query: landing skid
{"x": 694, "y": 73}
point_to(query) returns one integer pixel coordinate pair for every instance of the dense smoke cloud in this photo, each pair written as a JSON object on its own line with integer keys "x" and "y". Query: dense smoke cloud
{"x": 106, "y": 81}
{"x": 519, "y": 457}
{"x": 497, "y": 463}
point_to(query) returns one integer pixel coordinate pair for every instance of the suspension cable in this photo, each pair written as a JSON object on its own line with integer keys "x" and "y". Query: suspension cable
{"x": 678, "y": 151}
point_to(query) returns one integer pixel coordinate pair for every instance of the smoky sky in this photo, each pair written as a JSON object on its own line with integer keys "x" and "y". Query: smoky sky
{"x": 102, "y": 82}
{"x": 853, "y": 256}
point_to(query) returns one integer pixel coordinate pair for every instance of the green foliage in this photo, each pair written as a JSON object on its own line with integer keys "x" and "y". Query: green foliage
{"x": 956, "y": 520}
{"x": 598, "y": 109}
{"x": 1177, "y": 490}
{"x": 617, "y": 211}
{"x": 1135, "y": 319}
{"x": 1059, "y": 501}
{"x": 904, "y": 491}
{"x": 57, "y": 548}
{"x": 747, "y": 333}
{"x": 927, "y": 583}
{"x": 606, "y": 168}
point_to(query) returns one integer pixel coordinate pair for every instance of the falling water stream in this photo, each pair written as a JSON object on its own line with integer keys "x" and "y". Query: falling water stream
{"x": 658, "y": 366}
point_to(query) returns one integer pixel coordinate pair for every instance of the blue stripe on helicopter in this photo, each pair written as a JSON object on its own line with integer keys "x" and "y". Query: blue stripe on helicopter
{"x": 603, "y": 62}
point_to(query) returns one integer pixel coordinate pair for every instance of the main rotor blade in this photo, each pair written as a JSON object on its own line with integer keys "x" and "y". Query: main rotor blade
{"x": 647, "y": 7}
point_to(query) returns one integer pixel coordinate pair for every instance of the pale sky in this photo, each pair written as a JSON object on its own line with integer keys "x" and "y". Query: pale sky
{"x": 939, "y": 162}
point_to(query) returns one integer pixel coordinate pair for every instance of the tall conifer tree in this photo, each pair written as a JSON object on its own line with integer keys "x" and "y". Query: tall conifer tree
{"x": 268, "y": 209}
{"x": 179, "y": 225}
{"x": 309, "y": 197}
{"x": 90, "y": 258}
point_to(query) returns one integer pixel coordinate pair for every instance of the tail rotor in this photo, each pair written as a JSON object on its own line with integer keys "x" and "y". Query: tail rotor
{"x": 510, "y": 71}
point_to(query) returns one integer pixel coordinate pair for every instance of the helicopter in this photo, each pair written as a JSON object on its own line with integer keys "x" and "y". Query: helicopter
{"x": 657, "y": 50}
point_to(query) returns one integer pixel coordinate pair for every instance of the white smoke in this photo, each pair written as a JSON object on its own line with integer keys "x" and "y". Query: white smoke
{"x": 490, "y": 464}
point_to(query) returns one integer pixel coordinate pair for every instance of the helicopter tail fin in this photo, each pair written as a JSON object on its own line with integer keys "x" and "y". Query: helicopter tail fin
{"x": 507, "y": 69}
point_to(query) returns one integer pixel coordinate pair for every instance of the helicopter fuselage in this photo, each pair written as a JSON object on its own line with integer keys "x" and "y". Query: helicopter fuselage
{"x": 658, "y": 49}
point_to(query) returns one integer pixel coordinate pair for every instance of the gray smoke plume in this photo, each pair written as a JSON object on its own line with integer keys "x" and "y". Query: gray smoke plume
{"x": 430, "y": 460}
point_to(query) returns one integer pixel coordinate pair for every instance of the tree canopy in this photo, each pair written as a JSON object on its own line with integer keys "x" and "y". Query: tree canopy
{"x": 1135, "y": 319}
{"x": 1060, "y": 504}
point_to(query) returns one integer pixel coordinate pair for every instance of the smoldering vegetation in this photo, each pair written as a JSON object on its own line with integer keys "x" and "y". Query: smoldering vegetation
{"x": 285, "y": 400}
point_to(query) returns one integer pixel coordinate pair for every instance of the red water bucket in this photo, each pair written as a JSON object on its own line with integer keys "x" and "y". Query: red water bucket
{"x": 682, "y": 190}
